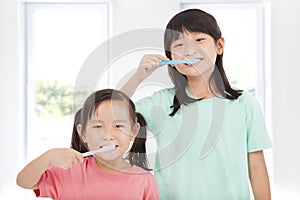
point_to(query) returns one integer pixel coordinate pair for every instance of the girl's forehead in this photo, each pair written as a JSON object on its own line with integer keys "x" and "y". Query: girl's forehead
{"x": 188, "y": 33}
{"x": 112, "y": 109}
{"x": 112, "y": 105}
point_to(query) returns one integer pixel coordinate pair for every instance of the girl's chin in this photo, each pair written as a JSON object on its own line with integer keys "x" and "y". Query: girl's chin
{"x": 106, "y": 159}
{"x": 110, "y": 155}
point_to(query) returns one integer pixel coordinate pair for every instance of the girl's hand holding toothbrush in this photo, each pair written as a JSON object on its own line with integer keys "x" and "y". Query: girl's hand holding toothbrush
{"x": 64, "y": 157}
{"x": 149, "y": 64}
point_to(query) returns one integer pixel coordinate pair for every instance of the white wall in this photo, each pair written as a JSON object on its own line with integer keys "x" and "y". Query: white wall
{"x": 128, "y": 15}
{"x": 285, "y": 70}
{"x": 11, "y": 118}
{"x": 285, "y": 29}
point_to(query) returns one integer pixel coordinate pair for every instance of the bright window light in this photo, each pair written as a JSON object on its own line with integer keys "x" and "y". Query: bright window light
{"x": 59, "y": 37}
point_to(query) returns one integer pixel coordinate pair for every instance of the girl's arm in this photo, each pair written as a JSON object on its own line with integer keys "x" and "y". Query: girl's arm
{"x": 148, "y": 64}
{"x": 259, "y": 176}
{"x": 30, "y": 175}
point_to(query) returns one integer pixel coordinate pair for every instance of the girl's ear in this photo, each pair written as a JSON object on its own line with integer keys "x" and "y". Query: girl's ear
{"x": 79, "y": 131}
{"x": 135, "y": 131}
{"x": 220, "y": 45}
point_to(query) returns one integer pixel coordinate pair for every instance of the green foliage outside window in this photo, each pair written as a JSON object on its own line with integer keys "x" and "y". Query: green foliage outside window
{"x": 53, "y": 98}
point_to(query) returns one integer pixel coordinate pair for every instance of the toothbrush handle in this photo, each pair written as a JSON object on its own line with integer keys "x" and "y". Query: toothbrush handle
{"x": 167, "y": 62}
{"x": 90, "y": 153}
{"x": 174, "y": 62}
{"x": 163, "y": 62}
{"x": 87, "y": 154}
{"x": 102, "y": 149}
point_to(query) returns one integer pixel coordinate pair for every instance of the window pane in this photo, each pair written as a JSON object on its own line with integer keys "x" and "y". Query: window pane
{"x": 59, "y": 37}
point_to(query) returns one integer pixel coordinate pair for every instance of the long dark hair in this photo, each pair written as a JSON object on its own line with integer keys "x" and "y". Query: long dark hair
{"x": 195, "y": 20}
{"x": 137, "y": 153}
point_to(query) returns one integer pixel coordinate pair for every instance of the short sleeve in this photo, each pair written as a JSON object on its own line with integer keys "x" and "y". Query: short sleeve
{"x": 52, "y": 182}
{"x": 144, "y": 106}
{"x": 153, "y": 193}
{"x": 155, "y": 108}
{"x": 257, "y": 135}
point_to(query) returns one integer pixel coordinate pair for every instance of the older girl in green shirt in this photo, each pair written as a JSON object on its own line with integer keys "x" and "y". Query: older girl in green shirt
{"x": 210, "y": 137}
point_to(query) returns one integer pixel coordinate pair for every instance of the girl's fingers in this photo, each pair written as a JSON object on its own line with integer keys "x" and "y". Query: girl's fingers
{"x": 149, "y": 63}
{"x": 149, "y": 66}
{"x": 64, "y": 157}
{"x": 79, "y": 157}
{"x": 162, "y": 58}
{"x": 74, "y": 161}
{"x": 153, "y": 58}
{"x": 158, "y": 58}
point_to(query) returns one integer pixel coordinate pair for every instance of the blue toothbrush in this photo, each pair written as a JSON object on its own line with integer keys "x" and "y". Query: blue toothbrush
{"x": 168, "y": 62}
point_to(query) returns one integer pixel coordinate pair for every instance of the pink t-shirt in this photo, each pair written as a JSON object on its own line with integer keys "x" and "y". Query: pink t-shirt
{"x": 88, "y": 181}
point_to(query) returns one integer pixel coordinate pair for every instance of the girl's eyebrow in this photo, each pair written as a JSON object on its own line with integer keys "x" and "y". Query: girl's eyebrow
{"x": 121, "y": 121}
{"x": 116, "y": 120}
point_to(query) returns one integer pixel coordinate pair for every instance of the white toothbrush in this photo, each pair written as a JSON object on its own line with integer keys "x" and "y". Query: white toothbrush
{"x": 101, "y": 149}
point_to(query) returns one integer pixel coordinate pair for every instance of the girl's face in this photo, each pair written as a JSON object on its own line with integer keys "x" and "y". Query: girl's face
{"x": 111, "y": 123}
{"x": 194, "y": 45}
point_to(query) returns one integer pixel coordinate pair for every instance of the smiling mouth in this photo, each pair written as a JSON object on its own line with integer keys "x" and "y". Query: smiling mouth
{"x": 108, "y": 145}
{"x": 104, "y": 148}
{"x": 194, "y": 63}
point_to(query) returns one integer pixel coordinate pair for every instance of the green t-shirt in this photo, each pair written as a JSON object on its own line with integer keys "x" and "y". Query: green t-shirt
{"x": 202, "y": 150}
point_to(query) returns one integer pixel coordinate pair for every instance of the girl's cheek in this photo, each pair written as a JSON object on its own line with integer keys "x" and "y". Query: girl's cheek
{"x": 125, "y": 147}
{"x": 94, "y": 139}
{"x": 177, "y": 55}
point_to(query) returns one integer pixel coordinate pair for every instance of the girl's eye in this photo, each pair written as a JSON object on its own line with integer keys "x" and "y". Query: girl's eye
{"x": 199, "y": 39}
{"x": 177, "y": 45}
{"x": 97, "y": 126}
{"x": 120, "y": 126}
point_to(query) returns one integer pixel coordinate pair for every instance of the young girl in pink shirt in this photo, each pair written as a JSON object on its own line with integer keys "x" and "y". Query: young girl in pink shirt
{"x": 107, "y": 117}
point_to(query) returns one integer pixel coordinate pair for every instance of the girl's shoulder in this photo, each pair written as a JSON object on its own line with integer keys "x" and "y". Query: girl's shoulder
{"x": 246, "y": 101}
{"x": 165, "y": 92}
{"x": 247, "y": 98}
{"x": 143, "y": 174}
{"x": 137, "y": 169}
{"x": 161, "y": 97}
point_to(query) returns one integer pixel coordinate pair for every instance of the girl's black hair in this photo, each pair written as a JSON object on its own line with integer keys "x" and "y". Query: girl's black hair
{"x": 76, "y": 142}
{"x": 195, "y": 20}
{"x": 137, "y": 153}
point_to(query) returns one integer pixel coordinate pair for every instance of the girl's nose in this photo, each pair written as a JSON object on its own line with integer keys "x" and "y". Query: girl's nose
{"x": 108, "y": 137}
{"x": 190, "y": 47}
